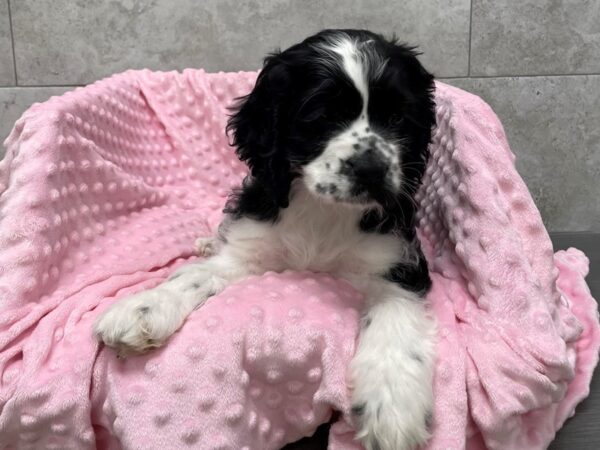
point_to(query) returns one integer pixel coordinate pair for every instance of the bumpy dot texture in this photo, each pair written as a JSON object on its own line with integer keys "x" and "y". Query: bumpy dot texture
{"x": 103, "y": 192}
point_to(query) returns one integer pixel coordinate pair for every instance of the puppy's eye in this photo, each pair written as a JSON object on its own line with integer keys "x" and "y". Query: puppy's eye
{"x": 316, "y": 114}
{"x": 396, "y": 119}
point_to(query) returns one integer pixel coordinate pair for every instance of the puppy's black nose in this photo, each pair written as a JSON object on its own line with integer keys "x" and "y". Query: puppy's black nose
{"x": 369, "y": 166}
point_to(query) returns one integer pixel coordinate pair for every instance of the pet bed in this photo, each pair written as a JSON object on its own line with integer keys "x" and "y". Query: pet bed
{"x": 105, "y": 189}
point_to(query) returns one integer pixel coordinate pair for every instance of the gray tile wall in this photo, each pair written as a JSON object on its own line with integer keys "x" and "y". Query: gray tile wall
{"x": 537, "y": 62}
{"x": 7, "y": 68}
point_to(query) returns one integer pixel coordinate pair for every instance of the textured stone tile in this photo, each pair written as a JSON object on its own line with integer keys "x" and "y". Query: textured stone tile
{"x": 552, "y": 127}
{"x": 14, "y": 102}
{"x": 7, "y": 69}
{"x": 75, "y": 42}
{"x": 535, "y": 37}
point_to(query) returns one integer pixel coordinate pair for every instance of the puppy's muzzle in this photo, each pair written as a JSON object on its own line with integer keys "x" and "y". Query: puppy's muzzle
{"x": 368, "y": 167}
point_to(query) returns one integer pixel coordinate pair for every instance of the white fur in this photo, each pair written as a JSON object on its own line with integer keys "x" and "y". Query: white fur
{"x": 392, "y": 371}
{"x": 353, "y": 63}
{"x": 147, "y": 319}
{"x": 206, "y": 246}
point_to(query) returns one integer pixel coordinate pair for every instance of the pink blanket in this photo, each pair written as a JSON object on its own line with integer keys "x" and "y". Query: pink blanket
{"x": 103, "y": 192}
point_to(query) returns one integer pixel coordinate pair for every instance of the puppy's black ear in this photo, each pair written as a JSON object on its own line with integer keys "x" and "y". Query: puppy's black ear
{"x": 418, "y": 89}
{"x": 415, "y": 87}
{"x": 255, "y": 127}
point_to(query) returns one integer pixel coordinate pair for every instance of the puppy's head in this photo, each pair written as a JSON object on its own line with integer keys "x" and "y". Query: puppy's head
{"x": 347, "y": 111}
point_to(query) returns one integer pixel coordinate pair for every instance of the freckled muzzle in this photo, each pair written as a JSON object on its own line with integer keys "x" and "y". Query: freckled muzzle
{"x": 372, "y": 166}
{"x": 358, "y": 167}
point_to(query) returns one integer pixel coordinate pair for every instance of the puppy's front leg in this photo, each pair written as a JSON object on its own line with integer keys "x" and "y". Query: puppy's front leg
{"x": 392, "y": 371}
{"x": 147, "y": 319}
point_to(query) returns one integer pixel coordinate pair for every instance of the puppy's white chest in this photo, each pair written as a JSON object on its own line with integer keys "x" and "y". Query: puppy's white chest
{"x": 312, "y": 235}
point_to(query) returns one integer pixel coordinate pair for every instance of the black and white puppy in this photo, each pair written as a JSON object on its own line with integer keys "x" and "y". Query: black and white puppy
{"x": 336, "y": 134}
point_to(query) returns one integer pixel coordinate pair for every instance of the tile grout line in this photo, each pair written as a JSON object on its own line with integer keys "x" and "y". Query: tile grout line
{"x": 12, "y": 43}
{"x": 553, "y": 75}
{"x": 549, "y": 75}
{"x": 38, "y": 86}
{"x": 470, "y": 38}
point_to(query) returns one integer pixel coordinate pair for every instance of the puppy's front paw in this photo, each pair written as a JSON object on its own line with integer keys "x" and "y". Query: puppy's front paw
{"x": 391, "y": 421}
{"x": 138, "y": 323}
{"x": 392, "y": 381}
{"x": 206, "y": 246}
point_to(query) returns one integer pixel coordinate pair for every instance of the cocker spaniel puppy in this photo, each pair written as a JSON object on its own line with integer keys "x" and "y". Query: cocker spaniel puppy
{"x": 335, "y": 133}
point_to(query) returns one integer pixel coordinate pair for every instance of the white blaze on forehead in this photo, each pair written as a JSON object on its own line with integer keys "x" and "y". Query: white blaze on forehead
{"x": 354, "y": 59}
{"x": 353, "y": 62}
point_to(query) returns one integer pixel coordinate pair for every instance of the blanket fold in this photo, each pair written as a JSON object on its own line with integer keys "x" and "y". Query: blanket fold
{"x": 102, "y": 193}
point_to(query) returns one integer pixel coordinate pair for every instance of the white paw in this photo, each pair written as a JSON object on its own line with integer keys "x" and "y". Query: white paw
{"x": 391, "y": 420}
{"x": 138, "y": 323}
{"x": 206, "y": 246}
{"x": 392, "y": 378}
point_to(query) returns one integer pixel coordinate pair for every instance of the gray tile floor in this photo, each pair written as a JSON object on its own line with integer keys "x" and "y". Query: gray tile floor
{"x": 582, "y": 432}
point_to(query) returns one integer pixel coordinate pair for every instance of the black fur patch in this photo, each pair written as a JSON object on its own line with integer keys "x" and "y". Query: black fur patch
{"x": 412, "y": 277}
{"x": 416, "y": 357}
{"x": 358, "y": 410}
{"x": 429, "y": 420}
{"x": 193, "y": 287}
{"x": 252, "y": 200}
{"x": 367, "y": 322}
{"x": 374, "y": 221}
